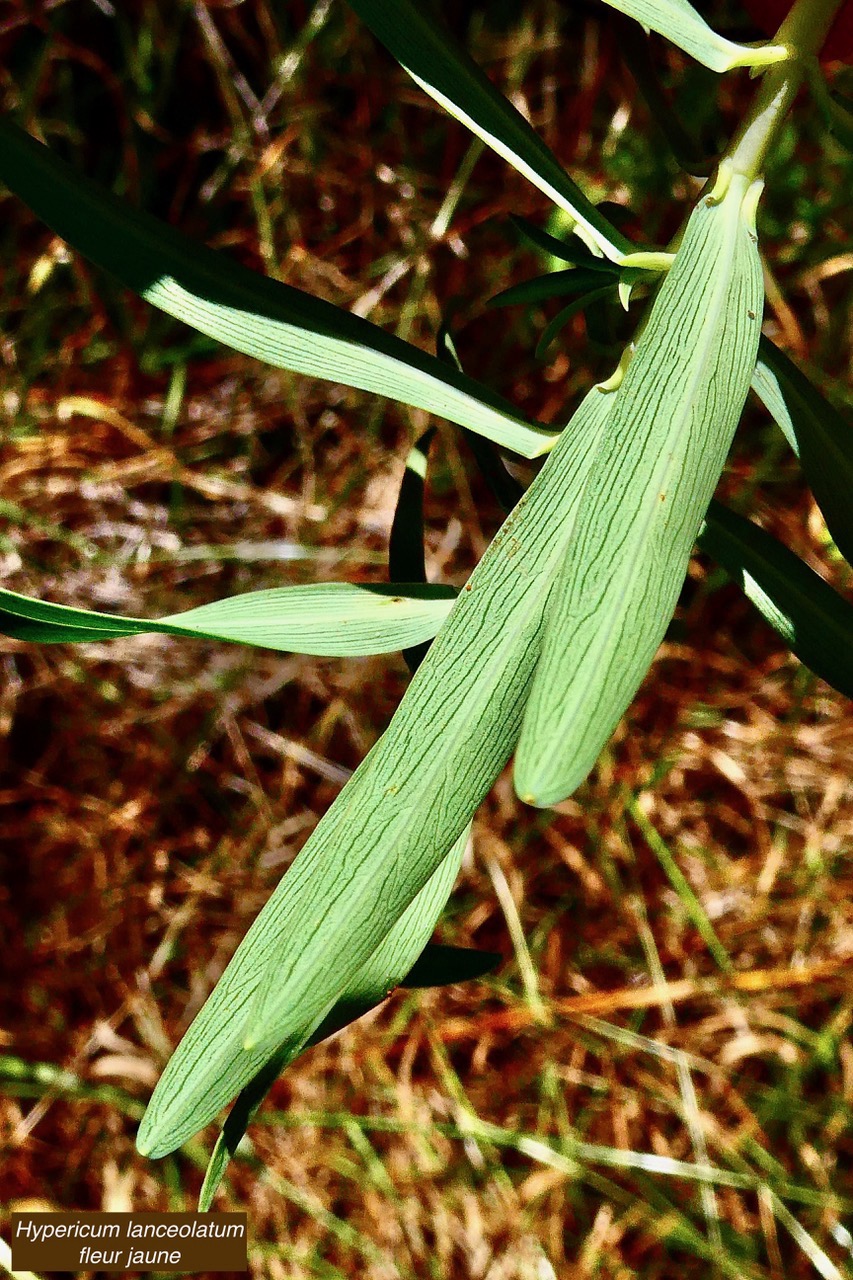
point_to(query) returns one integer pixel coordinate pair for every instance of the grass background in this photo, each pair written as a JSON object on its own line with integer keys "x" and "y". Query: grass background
{"x": 658, "y": 1080}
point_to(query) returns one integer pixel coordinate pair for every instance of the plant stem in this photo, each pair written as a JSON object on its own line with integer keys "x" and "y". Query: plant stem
{"x": 803, "y": 31}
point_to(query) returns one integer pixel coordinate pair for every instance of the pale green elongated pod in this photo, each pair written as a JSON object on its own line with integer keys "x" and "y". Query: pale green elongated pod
{"x": 375, "y": 980}
{"x": 206, "y": 1070}
{"x": 392, "y": 824}
{"x": 646, "y": 493}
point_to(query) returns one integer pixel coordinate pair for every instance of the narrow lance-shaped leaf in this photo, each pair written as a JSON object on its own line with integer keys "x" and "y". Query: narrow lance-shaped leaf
{"x": 815, "y": 621}
{"x": 388, "y": 830}
{"x": 840, "y": 118}
{"x": 384, "y": 970}
{"x": 337, "y": 619}
{"x": 553, "y": 284}
{"x": 680, "y": 23}
{"x": 562, "y": 318}
{"x": 274, "y": 322}
{"x": 440, "y": 965}
{"x": 817, "y": 433}
{"x": 646, "y": 494}
{"x": 246, "y": 1106}
{"x": 486, "y": 455}
{"x": 766, "y": 386}
{"x": 406, "y": 559}
{"x": 607, "y": 328}
{"x": 575, "y": 252}
{"x": 443, "y": 68}
{"x": 406, "y": 562}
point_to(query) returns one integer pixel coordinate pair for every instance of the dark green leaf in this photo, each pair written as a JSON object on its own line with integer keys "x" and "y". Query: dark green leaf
{"x": 406, "y": 543}
{"x": 815, "y": 621}
{"x": 574, "y": 252}
{"x": 817, "y": 433}
{"x": 633, "y": 44}
{"x": 562, "y": 318}
{"x": 487, "y": 456}
{"x": 439, "y": 966}
{"x": 553, "y": 284}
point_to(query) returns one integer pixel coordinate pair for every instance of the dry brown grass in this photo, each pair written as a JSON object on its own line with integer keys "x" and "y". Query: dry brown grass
{"x": 552, "y": 1119}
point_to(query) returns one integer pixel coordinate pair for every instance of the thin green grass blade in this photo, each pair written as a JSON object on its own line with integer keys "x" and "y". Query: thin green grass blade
{"x": 328, "y": 619}
{"x": 646, "y": 494}
{"x": 813, "y": 620}
{"x": 817, "y": 433}
{"x": 263, "y": 318}
{"x": 679, "y": 22}
{"x": 390, "y": 965}
{"x": 443, "y": 69}
{"x": 387, "y": 831}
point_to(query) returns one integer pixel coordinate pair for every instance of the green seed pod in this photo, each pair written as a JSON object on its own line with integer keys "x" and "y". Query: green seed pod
{"x": 646, "y": 494}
